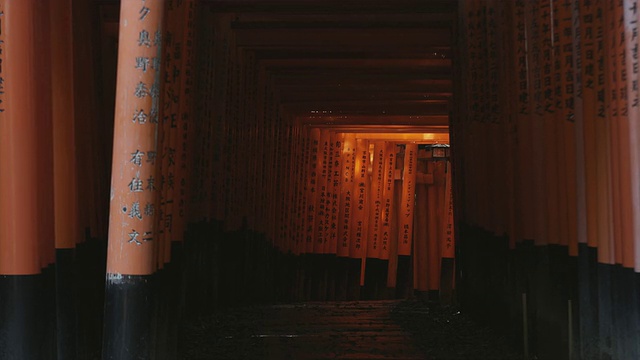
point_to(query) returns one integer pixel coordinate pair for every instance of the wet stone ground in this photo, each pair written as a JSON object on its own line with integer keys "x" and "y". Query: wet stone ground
{"x": 342, "y": 330}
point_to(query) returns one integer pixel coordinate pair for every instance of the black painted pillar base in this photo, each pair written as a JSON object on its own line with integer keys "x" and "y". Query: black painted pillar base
{"x": 49, "y": 316}
{"x": 90, "y": 262}
{"x": 342, "y": 278}
{"x": 446, "y": 281}
{"x": 375, "y": 280}
{"x": 175, "y": 291}
{"x": 23, "y": 333}
{"x": 404, "y": 286}
{"x": 129, "y": 307}
{"x": 588, "y": 302}
{"x": 66, "y": 319}
{"x": 353, "y": 292}
{"x": 331, "y": 277}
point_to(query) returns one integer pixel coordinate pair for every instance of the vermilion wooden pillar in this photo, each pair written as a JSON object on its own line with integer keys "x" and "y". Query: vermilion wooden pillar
{"x": 631, "y": 256}
{"x": 337, "y": 140}
{"x": 375, "y": 212}
{"x": 405, "y": 229}
{"x": 346, "y": 199}
{"x": 45, "y": 141}
{"x": 65, "y": 185}
{"x": 359, "y": 203}
{"x": 322, "y": 191}
{"x": 185, "y": 121}
{"x": 130, "y": 261}
{"x": 388, "y": 207}
{"x": 20, "y": 279}
{"x": 567, "y": 130}
{"x": 421, "y": 241}
{"x": 612, "y": 66}
{"x": 19, "y": 142}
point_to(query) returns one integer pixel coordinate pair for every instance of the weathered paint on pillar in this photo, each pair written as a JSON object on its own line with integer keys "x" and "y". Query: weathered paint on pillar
{"x": 128, "y": 330}
{"x": 131, "y": 221}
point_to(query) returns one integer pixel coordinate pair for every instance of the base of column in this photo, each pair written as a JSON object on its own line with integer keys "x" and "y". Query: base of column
{"x": 23, "y": 329}
{"x": 129, "y": 308}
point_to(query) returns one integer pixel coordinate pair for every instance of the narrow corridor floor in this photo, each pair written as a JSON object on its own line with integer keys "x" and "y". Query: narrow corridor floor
{"x": 339, "y": 330}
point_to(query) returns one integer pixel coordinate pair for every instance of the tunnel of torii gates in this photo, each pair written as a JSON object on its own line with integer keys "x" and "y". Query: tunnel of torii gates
{"x": 212, "y": 153}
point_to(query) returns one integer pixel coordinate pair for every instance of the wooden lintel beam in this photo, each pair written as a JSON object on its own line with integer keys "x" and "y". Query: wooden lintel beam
{"x": 363, "y": 19}
{"x": 344, "y": 38}
{"x": 281, "y": 52}
{"x": 367, "y": 63}
{"x": 334, "y": 6}
{"x": 313, "y": 95}
{"x": 379, "y": 123}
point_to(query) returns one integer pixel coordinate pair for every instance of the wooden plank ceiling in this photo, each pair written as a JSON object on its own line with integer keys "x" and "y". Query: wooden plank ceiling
{"x": 351, "y": 63}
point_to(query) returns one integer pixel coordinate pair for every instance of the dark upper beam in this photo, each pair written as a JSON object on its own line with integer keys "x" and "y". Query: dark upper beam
{"x": 352, "y": 39}
{"x": 360, "y": 20}
{"x": 368, "y": 108}
{"x": 334, "y": 6}
{"x": 423, "y": 52}
{"x": 367, "y": 63}
{"x": 384, "y": 123}
{"x": 307, "y": 95}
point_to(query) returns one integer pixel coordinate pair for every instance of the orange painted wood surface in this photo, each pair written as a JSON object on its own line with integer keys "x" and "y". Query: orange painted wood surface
{"x": 359, "y": 228}
{"x": 433, "y": 248}
{"x": 64, "y": 138}
{"x": 406, "y": 205}
{"x": 337, "y": 140}
{"x": 388, "y": 206}
{"x": 322, "y": 173}
{"x": 627, "y": 140}
{"x": 19, "y": 244}
{"x": 448, "y": 230}
{"x": 347, "y": 199}
{"x": 376, "y": 205}
{"x": 131, "y": 229}
{"x": 312, "y": 188}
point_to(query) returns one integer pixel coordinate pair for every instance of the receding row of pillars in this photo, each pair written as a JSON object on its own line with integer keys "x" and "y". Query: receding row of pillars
{"x": 545, "y": 142}
{"x": 199, "y": 143}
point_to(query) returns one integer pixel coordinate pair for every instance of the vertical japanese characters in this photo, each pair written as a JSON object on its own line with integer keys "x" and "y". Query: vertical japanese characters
{"x": 133, "y": 187}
